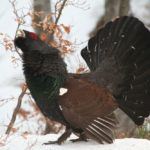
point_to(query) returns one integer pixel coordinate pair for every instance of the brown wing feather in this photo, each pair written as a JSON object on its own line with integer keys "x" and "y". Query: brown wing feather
{"x": 89, "y": 107}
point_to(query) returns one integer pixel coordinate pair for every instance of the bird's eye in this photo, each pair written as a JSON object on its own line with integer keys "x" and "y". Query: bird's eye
{"x": 33, "y": 36}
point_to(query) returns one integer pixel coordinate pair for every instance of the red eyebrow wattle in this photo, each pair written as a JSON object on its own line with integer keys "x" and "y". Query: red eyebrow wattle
{"x": 33, "y": 35}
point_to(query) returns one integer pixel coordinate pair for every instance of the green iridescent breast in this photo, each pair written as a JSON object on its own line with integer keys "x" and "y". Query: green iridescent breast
{"x": 44, "y": 88}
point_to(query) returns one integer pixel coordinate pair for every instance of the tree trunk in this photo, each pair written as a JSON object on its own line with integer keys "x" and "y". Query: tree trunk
{"x": 111, "y": 9}
{"x": 124, "y": 7}
{"x": 44, "y": 6}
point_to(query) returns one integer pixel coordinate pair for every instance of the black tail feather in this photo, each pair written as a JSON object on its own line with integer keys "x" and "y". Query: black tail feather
{"x": 119, "y": 55}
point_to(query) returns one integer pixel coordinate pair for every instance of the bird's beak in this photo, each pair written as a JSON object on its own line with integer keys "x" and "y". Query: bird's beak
{"x": 21, "y": 33}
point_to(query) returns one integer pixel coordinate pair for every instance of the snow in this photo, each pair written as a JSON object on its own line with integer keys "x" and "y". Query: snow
{"x": 35, "y": 142}
{"x": 11, "y": 78}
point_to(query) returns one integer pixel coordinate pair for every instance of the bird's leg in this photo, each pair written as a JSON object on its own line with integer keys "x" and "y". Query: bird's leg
{"x": 82, "y": 137}
{"x": 62, "y": 138}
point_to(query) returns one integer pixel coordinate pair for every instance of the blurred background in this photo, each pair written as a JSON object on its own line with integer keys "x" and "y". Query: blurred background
{"x": 67, "y": 25}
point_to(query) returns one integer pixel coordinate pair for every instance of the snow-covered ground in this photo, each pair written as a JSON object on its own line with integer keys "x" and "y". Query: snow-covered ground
{"x": 35, "y": 142}
{"x": 11, "y": 78}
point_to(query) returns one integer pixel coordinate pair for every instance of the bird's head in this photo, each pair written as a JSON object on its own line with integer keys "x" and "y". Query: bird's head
{"x": 30, "y": 35}
{"x": 30, "y": 42}
{"x": 25, "y": 40}
{"x": 37, "y": 55}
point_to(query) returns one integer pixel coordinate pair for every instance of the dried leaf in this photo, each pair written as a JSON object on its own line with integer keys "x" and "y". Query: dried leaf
{"x": 5, "y": 39}
{"x": 31, "y": 15}
{"x": 23, "y": 113}
{"x": 64, "y": 48}
{"x": 6, "y": 47}
{"x": 81, "y": 69}
{"x": 14, "y": 129}
{"x": 43, "y": 36}
{"x": 10, "y": 45}
{"x": 71, "y": 51}
{"x": 45, "y": 26}
{"x": 24, "y": 136}
{"x": 2, "y": 144}
{"x": 66, "y": 42}
{"x": 49, "y": 16}
{"x": 18, "y": 20}
{"x": 55, "y": 44}
{"x": 39, "y": 13}
{"x": 66, "y": 28}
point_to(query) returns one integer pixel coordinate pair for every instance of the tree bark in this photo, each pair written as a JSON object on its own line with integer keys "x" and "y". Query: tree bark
{"x": 124, "y": 7}
{"x": 111, "y": 9}
{"x": 44, "y": 6}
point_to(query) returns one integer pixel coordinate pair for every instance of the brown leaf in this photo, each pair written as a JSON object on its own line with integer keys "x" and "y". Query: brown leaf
{"x": 66, "y": 42}
{"x": 2, "y": 144}
{"x": 81, "y": 69}
{"x": 66, "y": 28}
{"x": 43, "y": 37}
{"x": 55, "y": 44}
{"x": 18, "y": 20}
{"x": 23, "y": 113}
{"x": 64, "y": 48}
{"x": 38, "y": 13}
{"x": 31, "y": 15}
{"x": 71, "y": 51}
{"x": 14, "y": 129}
{"x": 45, "y": 26}
{"x": 48, "y": 16}
{"x": 6, "y": 47}
{"x": 5, "y": 39}
{"x": 24, "y": 136}
{"x": 10, "y": 45}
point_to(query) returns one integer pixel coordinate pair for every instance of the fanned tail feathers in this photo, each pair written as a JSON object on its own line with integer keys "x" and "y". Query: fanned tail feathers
{"x": 126, "y": 41}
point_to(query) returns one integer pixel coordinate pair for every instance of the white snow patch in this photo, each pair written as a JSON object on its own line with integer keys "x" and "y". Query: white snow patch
{"x": 35, "y": 142}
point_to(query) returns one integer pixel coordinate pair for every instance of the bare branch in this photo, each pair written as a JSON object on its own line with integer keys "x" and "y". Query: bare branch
{"x": 16, "y": 111}
{"x": 60, "y": 12}
{"x": 16, "y": 49}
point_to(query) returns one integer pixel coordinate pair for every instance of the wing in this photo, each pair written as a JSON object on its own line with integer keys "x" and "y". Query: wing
{"x": 119, "y": 59}
{"x": 88, "y": 107}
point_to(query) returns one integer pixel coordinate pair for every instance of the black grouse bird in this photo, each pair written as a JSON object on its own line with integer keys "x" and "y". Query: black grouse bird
{"x": 119, "y": 60}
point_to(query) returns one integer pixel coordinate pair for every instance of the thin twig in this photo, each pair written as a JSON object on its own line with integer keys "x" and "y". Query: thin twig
{"x": 60, "y": 12}
{"x": 58, "y": 17}
{"x": 16, "y": 111}
{"x": 16, "y": 49}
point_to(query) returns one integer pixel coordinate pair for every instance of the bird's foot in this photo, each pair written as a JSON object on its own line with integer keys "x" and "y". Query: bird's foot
{"x": 52, "y": 142}
{"x": 61, "y": 139}
{"x": 78, "y": 140}
{"x": 81, "y": 138}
